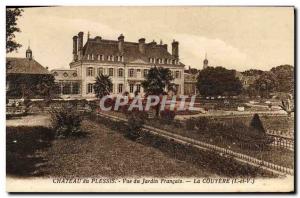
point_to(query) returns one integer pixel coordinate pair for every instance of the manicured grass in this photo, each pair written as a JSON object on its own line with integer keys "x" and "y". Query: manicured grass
{"x": 278, "y": 156}
{"x": 106, "y": 153}
{"x": 275, "y": 155}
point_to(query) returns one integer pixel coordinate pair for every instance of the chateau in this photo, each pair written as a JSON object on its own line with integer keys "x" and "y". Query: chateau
{"x": 127, "y": 63}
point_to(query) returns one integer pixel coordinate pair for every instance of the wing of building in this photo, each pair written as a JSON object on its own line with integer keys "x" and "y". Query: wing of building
{"x": 21, "y": 72}
{"x": 127, "y": 63}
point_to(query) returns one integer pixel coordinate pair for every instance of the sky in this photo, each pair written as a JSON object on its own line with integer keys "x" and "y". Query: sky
{"x": 238, "y": 38}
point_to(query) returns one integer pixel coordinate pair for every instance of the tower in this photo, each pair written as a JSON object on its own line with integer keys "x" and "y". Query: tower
{"x": 29, "y": 53}
{"x": 205, "y": 62}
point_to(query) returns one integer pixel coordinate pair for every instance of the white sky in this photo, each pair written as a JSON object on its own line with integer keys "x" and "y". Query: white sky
{"x": 233, "y": 37}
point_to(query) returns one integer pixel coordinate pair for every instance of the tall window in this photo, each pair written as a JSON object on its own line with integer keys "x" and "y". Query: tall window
{"x": 138, "y": 88}
{"x": 131, "y": 72}
{"x": 100, "y": 71}
{"x": 90, "y": 88}
{"x": 131, "y": 86}
{"x": 90, "y": 71}
{"x": 120, "y": 88}
{"x": 67, "y": 88}
{"x": 120, "y": 72}
{"x": 145, "y": 72}
{"x": 92, "y": 56}
{"x": 111, "y": 71}
{"x": 177, "y": 74}
{"x": 76, "y": 87}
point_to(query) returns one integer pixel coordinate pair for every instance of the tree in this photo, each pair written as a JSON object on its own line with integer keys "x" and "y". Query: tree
{"x": 265, "y": 84}
{"x": 157, "y": 80}
{"x": 218, "y": 81}
{"x": 103, "y": 86}
{"x": 12, "y": 15}
{"x": 31, "y": 86}
{"x": 285, "y": 77}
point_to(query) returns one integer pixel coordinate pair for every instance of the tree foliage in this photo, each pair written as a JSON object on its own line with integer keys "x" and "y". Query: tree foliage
{"x": 12, "y": 15}
{"x": 103, "y": 86}
{"x": 31, "y": 86}
{"x": 285, "y": 77}
{"x": 266, "y": 84}
{"x": 218, "y": 81}
{"x": 157, "y": 80}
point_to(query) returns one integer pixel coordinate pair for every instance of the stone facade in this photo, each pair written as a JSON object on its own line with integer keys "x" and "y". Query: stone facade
{"x": 126, "y": 62}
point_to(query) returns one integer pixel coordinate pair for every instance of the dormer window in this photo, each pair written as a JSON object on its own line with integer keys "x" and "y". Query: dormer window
{"x": 92, "y": 55}
{"x": 122, "y": 58}
{"x": 110, "y": 58}
{"x": 100, "y": 57}
{"x": 88, "y": 57}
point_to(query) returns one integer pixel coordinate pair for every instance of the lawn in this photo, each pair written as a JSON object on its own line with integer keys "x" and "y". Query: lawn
{"x": 275, "y": 155}
{"x": 102, "y": 153}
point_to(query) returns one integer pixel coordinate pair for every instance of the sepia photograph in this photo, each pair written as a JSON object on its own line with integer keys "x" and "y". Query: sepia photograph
{"x": 150, "y": 99}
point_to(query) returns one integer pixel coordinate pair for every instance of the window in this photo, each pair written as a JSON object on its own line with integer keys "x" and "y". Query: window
{"x": 100, "y": 57}
{"x": 120, "y": 72}
{"x": 145, "y": 72}
{"x": 131, "y": 86}
{"x": 111, "y": 71}
{"x": 92, "y": 56}
{"x": 131, "y": 72}
{"x": 177, "y": 74}
{"x": 120, "y": 88}
{"x": 112, "y": 88}
{"x": 173, "y": 62}
{"x": 65, "y": 74}
{"x": 75, "y": 88}
{"x": 90, "y": 88}
{"x": 67, "y": 88}
{"x": 88, "y": 57}
{"x": 138, "y": 88}
{"x": 74, "y": 74}
{"x": 55, "y": 74}
{"x": 90, "y": 71}
{"x": 122, "y": 58}
{"x": 100, "y": 71}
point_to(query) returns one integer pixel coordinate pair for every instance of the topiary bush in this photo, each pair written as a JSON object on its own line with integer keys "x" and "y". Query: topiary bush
{"x": 257, "y": 124}
{"x": 66, "y": 121}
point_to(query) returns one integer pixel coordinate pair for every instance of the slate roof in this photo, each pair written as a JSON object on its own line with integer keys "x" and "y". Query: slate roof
{"x": 131, "y": 50}
{"x": 24, "y": 66}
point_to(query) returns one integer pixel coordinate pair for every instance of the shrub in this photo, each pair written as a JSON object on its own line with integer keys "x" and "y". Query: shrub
{"x": 257, "y": 124}
{"x": 66, "y": 121}
{"x": 202, "y": 123}
{"x": 135, "y": 123}
{"x": 167, "y": 116}
{"x": 190, "y": 124}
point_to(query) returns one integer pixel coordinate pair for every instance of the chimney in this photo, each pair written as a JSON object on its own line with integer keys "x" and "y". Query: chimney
{"x": 80, "y": 44}
{"x": 142, "y": 45}
{"x": 98, "y": 39}
{"x": 121, "y": 43}
{"x": 175, "y": 50}
{"x": 165, "y": 46}
{"x": 75, "y": 55}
